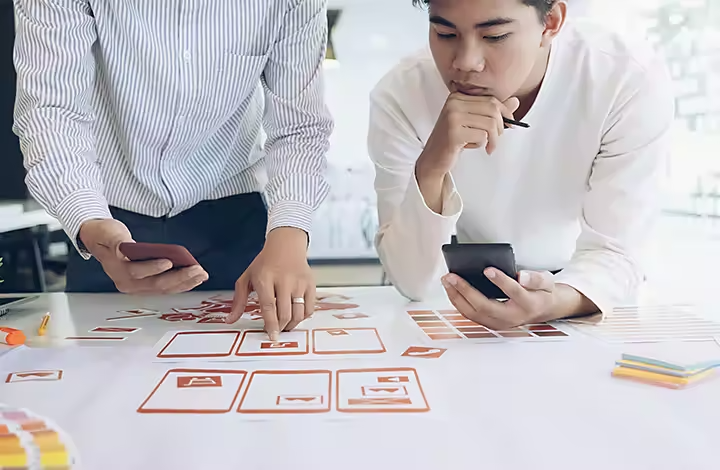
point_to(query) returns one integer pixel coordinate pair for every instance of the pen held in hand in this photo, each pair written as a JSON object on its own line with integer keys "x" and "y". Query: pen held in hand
{"x": 515, "y": 123}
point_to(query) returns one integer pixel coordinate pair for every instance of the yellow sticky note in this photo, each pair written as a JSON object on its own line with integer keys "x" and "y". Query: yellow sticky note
{"x": 658, "y": 378}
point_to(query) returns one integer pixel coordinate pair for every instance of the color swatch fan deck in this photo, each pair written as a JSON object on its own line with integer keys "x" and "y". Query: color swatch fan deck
{"x": 440, "y": 325}
{"x": 28, "y": 441}
{"x": 652, "y": 325}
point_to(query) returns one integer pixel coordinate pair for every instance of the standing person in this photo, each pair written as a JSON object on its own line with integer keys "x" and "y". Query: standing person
{"x": 575, "y": 193}
{"x": 142, "y": 121}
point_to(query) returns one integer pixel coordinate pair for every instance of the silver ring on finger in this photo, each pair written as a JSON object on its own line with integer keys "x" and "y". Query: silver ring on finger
{"x": 298, "y": 300}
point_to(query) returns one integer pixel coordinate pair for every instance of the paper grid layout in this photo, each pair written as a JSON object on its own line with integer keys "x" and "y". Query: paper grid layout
{"x": 279, "y": 391}
{"x": 651, "y": 325}
{"x": 441, "y": 325}
{"x": 237, "y": 345}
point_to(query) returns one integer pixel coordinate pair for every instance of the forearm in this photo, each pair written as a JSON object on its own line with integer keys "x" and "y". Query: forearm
{"x": 52, "y": 115}
{"x": 410, "y": 245}
{"x": 297, "y": 121}
{"x": 430, "y": 182}
{"x": 598, "y": 280}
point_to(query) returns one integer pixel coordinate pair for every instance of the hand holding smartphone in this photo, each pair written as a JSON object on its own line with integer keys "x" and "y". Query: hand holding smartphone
{"x": 178, "y": 255}
{"x": 469, "y": 261}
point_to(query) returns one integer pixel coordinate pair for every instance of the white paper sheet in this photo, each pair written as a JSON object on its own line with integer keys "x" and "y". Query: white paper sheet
{"x": 254, "y": 345}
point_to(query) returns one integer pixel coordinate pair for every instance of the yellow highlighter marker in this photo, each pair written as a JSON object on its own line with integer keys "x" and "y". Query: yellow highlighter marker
{"x": 43, "y": 325}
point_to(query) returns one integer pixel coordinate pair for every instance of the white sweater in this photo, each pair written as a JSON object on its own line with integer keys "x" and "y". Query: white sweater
{"x": 577, "y": 191}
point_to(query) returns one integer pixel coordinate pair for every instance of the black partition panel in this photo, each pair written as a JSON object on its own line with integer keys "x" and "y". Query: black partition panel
{"x": 12, "y": 173}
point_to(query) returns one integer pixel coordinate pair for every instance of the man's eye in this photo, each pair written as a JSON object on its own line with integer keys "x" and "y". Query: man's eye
{"x": 445, "y": 36}
{"x": 497, "y": 38}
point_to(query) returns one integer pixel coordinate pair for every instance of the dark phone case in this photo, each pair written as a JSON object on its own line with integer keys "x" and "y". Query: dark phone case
{"x": 177, "y": 254}
{"x": 469, "y": 260}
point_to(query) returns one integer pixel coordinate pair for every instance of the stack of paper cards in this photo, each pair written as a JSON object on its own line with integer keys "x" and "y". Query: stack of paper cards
{"x": 661, "y": 373}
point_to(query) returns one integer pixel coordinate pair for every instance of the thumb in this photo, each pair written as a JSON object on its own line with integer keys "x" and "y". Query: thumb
{"x": 104, "y": 236}
{"x": 116, "y": 237}
{"x": 534, "y": 281}
{"x": 512, "y": 104}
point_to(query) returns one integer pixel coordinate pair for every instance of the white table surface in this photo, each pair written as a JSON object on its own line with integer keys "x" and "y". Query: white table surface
{"x": 497, "y": 406}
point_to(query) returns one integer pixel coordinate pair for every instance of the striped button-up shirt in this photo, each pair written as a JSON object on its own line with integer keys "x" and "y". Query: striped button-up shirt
{"x": 153, "y": 106}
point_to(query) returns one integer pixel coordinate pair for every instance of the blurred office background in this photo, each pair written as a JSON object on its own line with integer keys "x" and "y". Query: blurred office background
{"x": 367, "y": 38}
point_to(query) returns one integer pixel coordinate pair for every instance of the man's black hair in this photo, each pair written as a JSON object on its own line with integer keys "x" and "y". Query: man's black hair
{"x": 542, "y": 6}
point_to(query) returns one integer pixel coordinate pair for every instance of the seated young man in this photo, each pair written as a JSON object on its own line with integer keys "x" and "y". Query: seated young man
{"x": 575, "y": 193}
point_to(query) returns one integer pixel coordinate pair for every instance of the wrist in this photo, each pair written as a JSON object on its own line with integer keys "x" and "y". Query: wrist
{"x": 568, "y": 302}
{"x": 288, "y": 236}
{"x": 427, "y": 173}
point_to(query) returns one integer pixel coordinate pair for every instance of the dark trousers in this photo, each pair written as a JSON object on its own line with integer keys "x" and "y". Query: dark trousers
{"x": 224, "y": 235}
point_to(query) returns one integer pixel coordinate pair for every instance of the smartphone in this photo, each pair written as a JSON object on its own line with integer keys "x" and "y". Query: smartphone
{"x": 469, "y": 261}
{"x": 177, "y": 254}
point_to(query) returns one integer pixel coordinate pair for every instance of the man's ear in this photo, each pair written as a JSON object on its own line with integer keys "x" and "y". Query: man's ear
{"x": 554, "y": 22}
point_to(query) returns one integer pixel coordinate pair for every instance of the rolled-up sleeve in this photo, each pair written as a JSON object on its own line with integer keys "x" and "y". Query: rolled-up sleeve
{"x": 622, "y": 202}
{"x": 410, "y": 235}
{"x": 53, "y": 115}
{"x": 297, "y": 121}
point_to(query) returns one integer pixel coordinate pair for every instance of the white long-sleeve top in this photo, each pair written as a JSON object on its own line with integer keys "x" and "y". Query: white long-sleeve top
{"x": 577, "y": 191}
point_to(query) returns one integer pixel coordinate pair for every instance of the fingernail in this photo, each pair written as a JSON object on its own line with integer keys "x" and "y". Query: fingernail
{"x": 274, "y": 335}
{"x": 524, "y": 278}
{"x": 490, "y": 273}
{"x": 449, "y": 280}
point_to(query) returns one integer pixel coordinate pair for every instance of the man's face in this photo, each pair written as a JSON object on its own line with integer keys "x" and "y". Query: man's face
{"x": 485, "y": 47}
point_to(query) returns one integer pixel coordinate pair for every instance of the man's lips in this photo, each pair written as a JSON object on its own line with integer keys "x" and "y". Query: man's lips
{"x": 471, "y": 89}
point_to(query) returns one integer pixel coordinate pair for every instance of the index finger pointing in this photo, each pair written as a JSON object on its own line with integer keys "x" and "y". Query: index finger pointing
{"x": 268, "y": 309}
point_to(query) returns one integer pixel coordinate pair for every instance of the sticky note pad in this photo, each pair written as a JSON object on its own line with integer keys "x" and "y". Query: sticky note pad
{"x": 662, "y": 380}
{"x": 668, "y": 365}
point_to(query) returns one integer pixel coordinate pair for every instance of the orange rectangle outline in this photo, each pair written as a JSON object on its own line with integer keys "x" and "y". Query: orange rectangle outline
{"x": 280, "y": 351}
{"x": 204, "y": 371}
{"x": 237, "y": 335}
{"x": 375, "y": 351}
{"x": 396, "y": 400}
{"x": 286, "y": 372}
{"x": 381, "y": 386}
{"x": 96, "y": 338}
{"x": 132, "y": 316}
{"x": 380, "y": 410}
{"x": 133, "y": 328}
{"x": 10, "y": 375}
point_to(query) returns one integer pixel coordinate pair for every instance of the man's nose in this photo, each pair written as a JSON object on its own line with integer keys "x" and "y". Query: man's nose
{"x": 469, "y": 58}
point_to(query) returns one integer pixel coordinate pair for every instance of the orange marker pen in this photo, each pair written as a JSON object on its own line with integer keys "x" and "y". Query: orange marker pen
{"x": 11, "y": 336}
